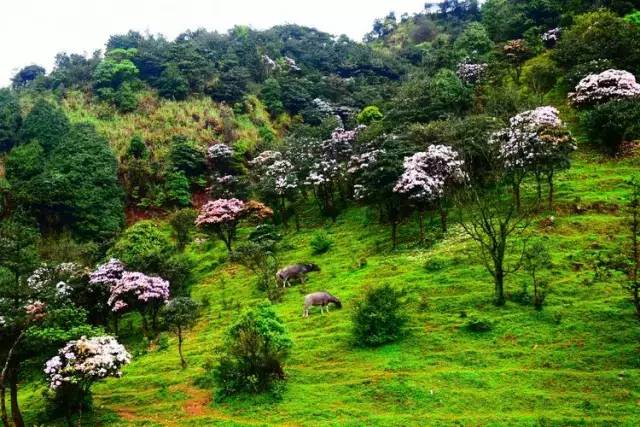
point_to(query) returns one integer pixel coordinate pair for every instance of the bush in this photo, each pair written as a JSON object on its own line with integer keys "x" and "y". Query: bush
{"x": 378, "y": 318}
{"x": 260, "y": 259}
{"x": 182, "y": 223}
{"x": 320, "y": 243}
{"x": 255, "y": 349}
{"x": 369, "y": 115}
{"x": 143, "y": 247}
{"x": 610, "y": 124}
{"x": 266, "y": 235}
{"x": 478, "y": 324}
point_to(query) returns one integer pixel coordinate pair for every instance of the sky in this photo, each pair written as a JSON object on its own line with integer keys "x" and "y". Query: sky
{"x": 34, "y": 31}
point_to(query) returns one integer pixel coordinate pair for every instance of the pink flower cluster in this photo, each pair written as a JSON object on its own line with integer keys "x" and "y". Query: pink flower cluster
{"x": 427, "y": 174}
{"x": 86, "y": 360}
{"x": 606, "y": 86}
{"x": 471, "y": 73}
{"x": 138, "y": 287}
{"x": 35, "y": 310}
{"x": 107, "y": 274}
{"x": 220, "y": 211}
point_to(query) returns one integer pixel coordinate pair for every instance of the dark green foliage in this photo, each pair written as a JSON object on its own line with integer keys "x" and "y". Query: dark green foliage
{"x": 320, "y": 243}
{"x": 379, "y": 318}
{"x": 176, "y": 189}
{"x": 172, "y": 84}
{"x": 10, "y": 119}
{"x": 186, "y": 157}
{"x": 609, "y": 125}
{"x": 478, "y": 324}
{"x": 19, "y": 238}
{"x": 232, "y": 85}
{"x": 79, "y": 186}
{"x": 116, "y": 79}
{"x": 178, "y": 270}
{"x": 474, "y": 41}
{"x": 74, "y": 70}
{"x": 266, "y": 235}
{"x": 137, "y": 148}
{"x": 540, "y": 74}
{"x": 600, "y": 35}
{"x": 255, "y": 349}
{"x": 182, "y": 223}
{"x": 27, "y": 75}
{"x": 271, "y": 95}
{"x": 22, "y": 164}
{"x": 46, "y": 124}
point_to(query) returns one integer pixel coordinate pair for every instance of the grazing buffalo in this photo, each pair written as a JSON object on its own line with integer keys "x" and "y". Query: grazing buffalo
{"x": 319, "y": 298}
{"x": 296, "y": 271}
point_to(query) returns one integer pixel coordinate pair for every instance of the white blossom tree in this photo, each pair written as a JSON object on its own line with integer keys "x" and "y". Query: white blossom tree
{"x": 605, "y": 86}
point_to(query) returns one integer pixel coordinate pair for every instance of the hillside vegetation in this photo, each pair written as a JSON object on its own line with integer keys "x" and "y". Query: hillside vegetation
{"x": 463, "y": 185}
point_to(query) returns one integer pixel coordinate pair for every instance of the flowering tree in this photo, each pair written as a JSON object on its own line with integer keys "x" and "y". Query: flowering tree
{"x": 535, "y": 141}
{"x": 136, "y": 290}
{"x": 471, "y": 73}
{"x": 221, "y": 217}
{"x": 606, "y": 86}
{"x": 516, "y": 52}
{"x": 551, "y": 37}
{"x": 428, "y": 177}
{"x": 329, "y": 168}
{"x": 79, "y": 364}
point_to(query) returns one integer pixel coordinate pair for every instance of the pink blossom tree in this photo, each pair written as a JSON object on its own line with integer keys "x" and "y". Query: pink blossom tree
{"x": 137, "y": 291}
{"x": 536, "y": 141}
{"x": 221, "y": 217}
{"x": 428, "y": 178}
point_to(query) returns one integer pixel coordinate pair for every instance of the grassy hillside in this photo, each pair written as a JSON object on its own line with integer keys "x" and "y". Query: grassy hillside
{"x": 575, "y": 363}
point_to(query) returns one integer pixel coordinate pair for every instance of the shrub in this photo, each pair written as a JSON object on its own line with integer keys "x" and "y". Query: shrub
{"x": 255, "y": 349}
{"x": 378, "y": 318}
{"x": 320, "y": 242}
{"x": 182, "y": 224}
{"x": 369, "y": 115}
{"x": 610, "y": 124}
{"x": 478, "y": 324}
{"x": 142, "y": 247}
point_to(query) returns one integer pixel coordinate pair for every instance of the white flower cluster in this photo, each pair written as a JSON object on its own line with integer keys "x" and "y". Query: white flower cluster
{"x": 86, "y": 360}
{"x": 54, "y": 278}
{"x": 606, "y": 86}
{"x": 523, "y": 143}
{"x": 427, "y": 174}
{"x": 360, "y": 162}
{"x": 282, "y": 172}
{"x": 551, "y": 37}
{"x": 471, "y": 73}
{"x": 265, "y": 159}
{"x": 333, "y": 156}
{"x": 291, "y": 63}
{"x": 219, "y": 151}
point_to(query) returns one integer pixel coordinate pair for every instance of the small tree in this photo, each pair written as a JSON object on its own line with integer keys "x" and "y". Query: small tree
{"x": 260, "y": 259}
{"x": 536, "y": 259}
{"x": 255, "y": 349}
{"x": 494, "y": 223}
{"x": 180, "y": 314}
{"x": 378, "y": 319}
{"x": 633, "y": 264}
{"x": 78, "y": 365}
{"x": 221, "y": 217}
{"x": 182, "y": 225}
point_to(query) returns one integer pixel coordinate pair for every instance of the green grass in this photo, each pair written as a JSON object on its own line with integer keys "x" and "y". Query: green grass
{"x": 577, "y": 362}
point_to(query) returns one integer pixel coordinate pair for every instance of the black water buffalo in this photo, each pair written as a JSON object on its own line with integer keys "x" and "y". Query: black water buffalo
{"x": 295, "y": 271}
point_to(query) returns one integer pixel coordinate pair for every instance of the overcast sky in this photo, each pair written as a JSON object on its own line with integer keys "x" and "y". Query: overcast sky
{"x": 34, "y": 31}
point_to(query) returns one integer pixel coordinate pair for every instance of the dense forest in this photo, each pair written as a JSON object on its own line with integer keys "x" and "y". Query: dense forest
{"x": 179, "y": 219}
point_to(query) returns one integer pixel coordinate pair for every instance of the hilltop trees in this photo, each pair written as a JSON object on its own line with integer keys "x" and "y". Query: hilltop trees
{"x": 10, "y": 119}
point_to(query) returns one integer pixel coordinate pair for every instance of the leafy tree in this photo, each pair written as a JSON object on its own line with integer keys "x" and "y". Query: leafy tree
{"x": 74, "y": 70}
{"x": 540, "y": 74}
{"x": 172, "y": 84}
{"x": 369, "y": 114}
{"x": 271, "y": 95}
{"x": 142, "y": 247}
{"x": 494, "y": 223}
{"x": 600, "y": 35}
{"x": 609, "y": 125}
{"x": 378, "y": 318}
{"x": 137, "y": 148}
{"x": 10, "y": 119}
{"x": 46, "y": 124}
{"x": 255, "y": 349}
{"x": 261, "y": 259}
{"x": 177, "y": 189}
{"x": 116, "y": 78}
{"x": 27, "y": 75}
{"x": 474, "y": 41}
{"x": 221, "y": 217}
{"x": 632, "y": 264}
{"x": 180, "y": 314}
{"x": 502, "y": 19}
{"x": 536, "y": 259}
{"x": 232, "y": 85}
{"x": 186, "y": 157}
{"x": 182, "y": 223}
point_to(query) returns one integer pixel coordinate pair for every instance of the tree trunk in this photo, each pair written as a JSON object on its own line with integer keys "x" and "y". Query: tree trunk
{"x": 182, "y": 361}
{"x": 394, "y": 233}
{"x": 283, "y": 211}
{"x": 516, "y": 194}
{"x": 499, "y": 285}
{"x": 15, "y": 408}
{"x": 551, "y": 189}
{"x": 443, "y": 218}
{"x": 9, "y": 370}
{"x": 538, "y": 191}
{"x": 421, "y": 224}
{"x": 3, "y": 405}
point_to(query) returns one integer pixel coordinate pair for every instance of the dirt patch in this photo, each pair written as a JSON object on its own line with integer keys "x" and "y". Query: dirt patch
{"x": 198, "y": 403}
